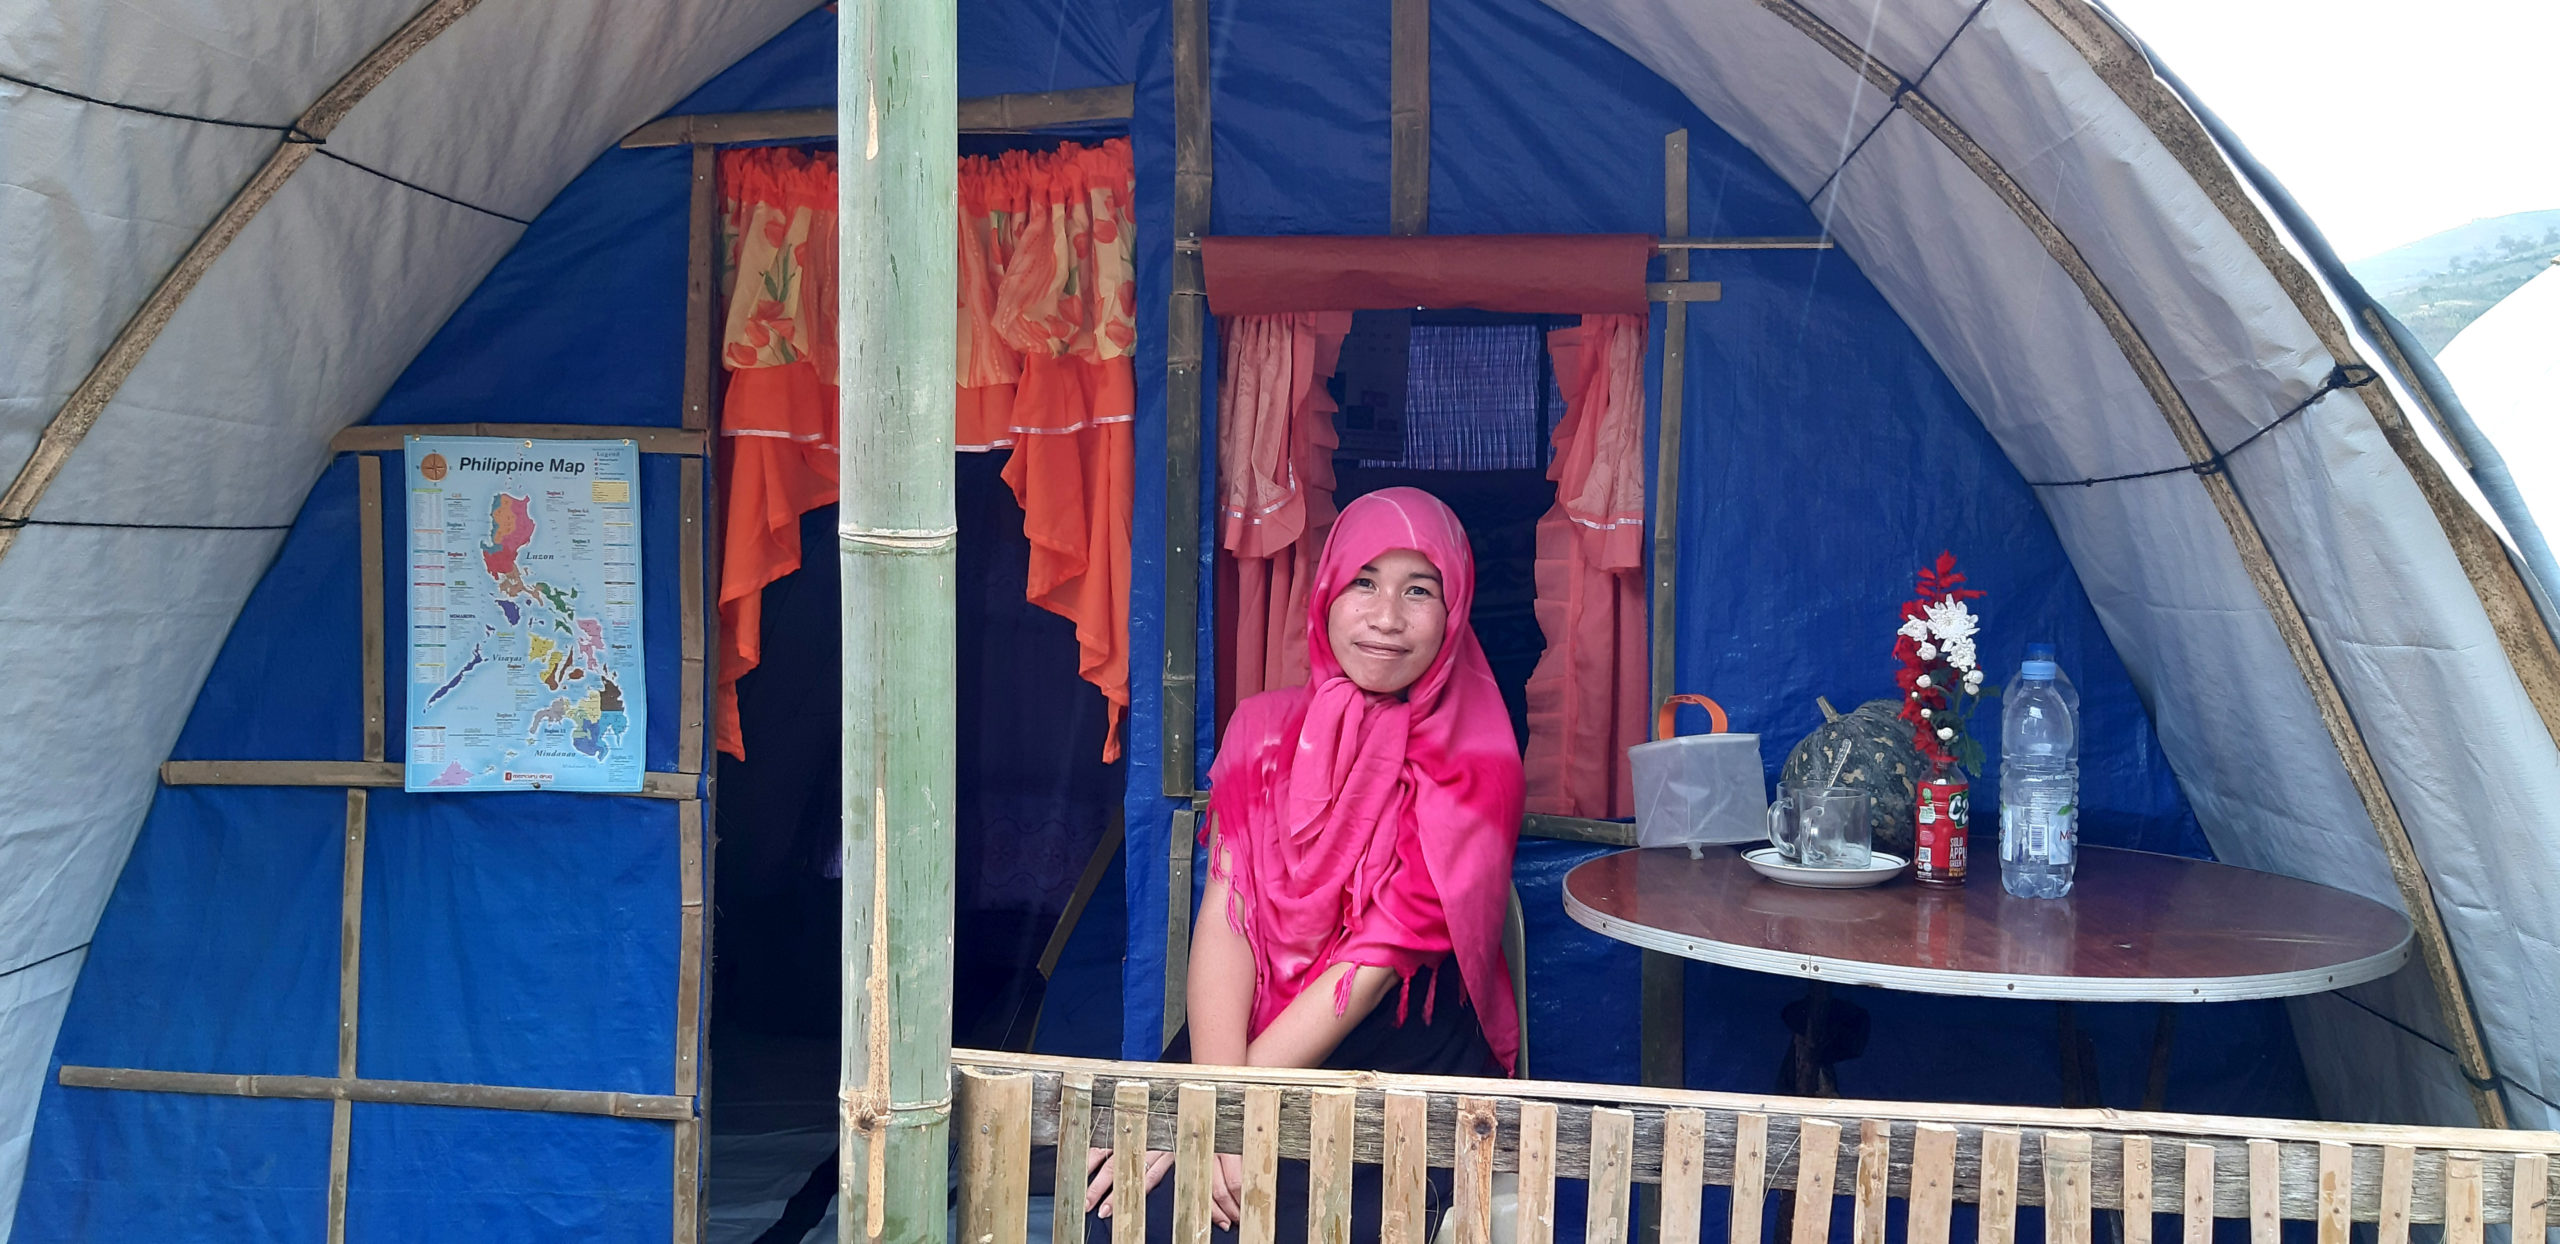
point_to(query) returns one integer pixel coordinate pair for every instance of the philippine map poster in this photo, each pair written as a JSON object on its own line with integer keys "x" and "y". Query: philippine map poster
{"x": 525, "y": 668}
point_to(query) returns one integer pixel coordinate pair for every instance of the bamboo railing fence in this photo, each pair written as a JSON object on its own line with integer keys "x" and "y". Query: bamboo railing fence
{"x": 2073, "y": 1164}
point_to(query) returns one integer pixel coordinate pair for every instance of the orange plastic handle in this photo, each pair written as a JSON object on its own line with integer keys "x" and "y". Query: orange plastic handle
{"x": 1662, "y": 722}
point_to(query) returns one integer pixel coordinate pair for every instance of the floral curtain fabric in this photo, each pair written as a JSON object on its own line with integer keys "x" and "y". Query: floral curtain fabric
{"x": 1587, "y": 696}
{"x": 778, "y": 413}
{"x": 1275, "y": 492}
{"x": 1047, "y": 327}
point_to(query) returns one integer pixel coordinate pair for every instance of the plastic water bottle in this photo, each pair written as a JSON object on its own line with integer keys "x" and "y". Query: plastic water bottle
{"x": 2039, "y": 779}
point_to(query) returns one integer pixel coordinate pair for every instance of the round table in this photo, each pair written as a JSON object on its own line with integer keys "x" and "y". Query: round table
{"x": 2136, "y": 927}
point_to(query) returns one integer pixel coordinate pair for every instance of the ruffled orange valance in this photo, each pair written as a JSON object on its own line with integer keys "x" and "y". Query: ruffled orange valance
{"x": 1047, "y": 327}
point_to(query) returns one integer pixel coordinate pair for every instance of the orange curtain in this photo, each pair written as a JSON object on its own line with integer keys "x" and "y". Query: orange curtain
{"x": 1275, "y": 491}
{"x": 1587, "y": 696}
{"x": 1047, "y": 330}
{"x": 778, "y": 417}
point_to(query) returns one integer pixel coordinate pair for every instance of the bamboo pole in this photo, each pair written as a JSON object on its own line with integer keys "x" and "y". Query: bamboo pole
{"x": 897, "y": 127}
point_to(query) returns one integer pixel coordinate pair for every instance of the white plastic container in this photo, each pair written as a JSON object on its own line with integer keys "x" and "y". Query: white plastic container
{"x": 1697, "y": 789}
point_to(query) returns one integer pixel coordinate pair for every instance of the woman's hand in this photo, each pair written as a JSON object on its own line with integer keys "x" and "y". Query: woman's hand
{"x": 1226, "y": 1188}
{"x": 1100, "y": 1196}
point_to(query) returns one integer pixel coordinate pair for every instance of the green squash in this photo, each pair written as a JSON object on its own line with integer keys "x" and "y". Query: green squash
{"x": 1881, "y": 761}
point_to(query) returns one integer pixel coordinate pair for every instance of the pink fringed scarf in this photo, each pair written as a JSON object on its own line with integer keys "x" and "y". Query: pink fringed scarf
{"x": 1324, "y": 795}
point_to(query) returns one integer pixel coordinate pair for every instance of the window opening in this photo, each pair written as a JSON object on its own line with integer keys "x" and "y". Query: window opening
{"x": 1462, "y": 404}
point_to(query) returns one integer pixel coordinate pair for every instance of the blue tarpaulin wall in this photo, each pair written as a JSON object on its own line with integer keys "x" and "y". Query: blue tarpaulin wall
{"x": 531, "y": 938}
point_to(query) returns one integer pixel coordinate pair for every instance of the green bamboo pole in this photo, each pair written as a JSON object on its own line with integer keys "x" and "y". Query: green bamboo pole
{"x": 897, "y": 132}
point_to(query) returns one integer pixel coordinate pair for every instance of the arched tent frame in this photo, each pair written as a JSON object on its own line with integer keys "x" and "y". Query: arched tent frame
{"x": 2410, "y": 529}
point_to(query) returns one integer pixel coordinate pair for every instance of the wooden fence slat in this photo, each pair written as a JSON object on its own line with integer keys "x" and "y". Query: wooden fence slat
{"x": 2463, "y": 1221}
{"x": 1075, "y": 1140}
{"x": 1613, "y": 1143}
{"x": 1329, "y": 1115}
{"x": 1817, "y": 1164}
{"x": 1407, "y": 1147}
{"x": 994, "y": 1122}
{"x": 2530, "y": 1189}
{"x": 2266, "y": 1193}
{"x": 2196, "y": 1193}
{"x": 1933, "y": 1182}
{"x": 1129, "y": 1162}
{"x": 1750, "y": 1177}
{"x": 2066, "y": 1187}
{"x": 1875, "y": 1176}
{"x": 1472, "y": 1191}
{"x": 2337, "y": 1190}
{"x": 2399, "y": 1189}
{"x": 1261, "y": 1200}
{"x": 1195, "y": 1163}
{"x": 2134, "y": 1192}
{"x": 1684, "y": 1173}
{"x": 1999, "y": 1187}
{"x": 1537, "y": 1173}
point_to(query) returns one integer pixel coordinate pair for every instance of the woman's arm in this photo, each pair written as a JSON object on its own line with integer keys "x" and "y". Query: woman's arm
{"x": 1219, "y": 993}
{"x": 1306, "y": 1030}
{"x": 1218, "y": 986}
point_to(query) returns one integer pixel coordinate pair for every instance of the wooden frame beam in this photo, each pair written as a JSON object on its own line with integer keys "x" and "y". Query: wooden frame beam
{"x": 373, "y": 774}
{"x": 985, "y": 114}
{"x": 1409, "y": 118}
{"x": 383, "y": 438}
{"x": 386, "y": 1092}
{"x": 1186, "y": 344}
{"x": 1664, "y": 1045}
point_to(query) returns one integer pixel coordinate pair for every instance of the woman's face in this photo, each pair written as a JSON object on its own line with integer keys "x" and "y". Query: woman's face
{"x": 1387, "y": 625}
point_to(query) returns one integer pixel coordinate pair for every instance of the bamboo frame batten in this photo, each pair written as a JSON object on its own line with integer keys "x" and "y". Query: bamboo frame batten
{"x": 1666, "y": 246}
{"x": 1999, "y": 1157}
{"x": 657, "y": 1106}
{"x": 982, "y": 114}
{"x": 377, "y": 438}
{"x": 373, "y": 774}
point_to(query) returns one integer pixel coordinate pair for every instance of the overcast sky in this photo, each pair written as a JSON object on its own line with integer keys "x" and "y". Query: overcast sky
{"x": 2388, "y": 120}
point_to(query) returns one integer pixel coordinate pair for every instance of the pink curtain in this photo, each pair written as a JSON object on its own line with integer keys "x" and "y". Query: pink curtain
{"x": 1587, "y": 696}
{"x": 1275, "y": 492}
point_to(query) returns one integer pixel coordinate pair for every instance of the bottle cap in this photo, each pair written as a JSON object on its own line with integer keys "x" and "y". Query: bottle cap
{"x": 2039, "y": 652}
{"x": 2036, "y": 671}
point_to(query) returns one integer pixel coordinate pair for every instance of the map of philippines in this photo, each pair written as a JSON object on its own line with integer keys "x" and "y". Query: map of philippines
{"x": 524, "y": 615}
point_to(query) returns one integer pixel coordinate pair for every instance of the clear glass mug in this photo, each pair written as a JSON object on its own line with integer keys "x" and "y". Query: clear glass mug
{"x": 1823, "y": 826}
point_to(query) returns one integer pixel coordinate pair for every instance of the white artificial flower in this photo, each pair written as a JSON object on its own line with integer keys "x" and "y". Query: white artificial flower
{"x": 1916, "y": 628}
{"x": 1946, "y": 732}
{"x": 1972, "y": 678}
{"x": 1926, "y": 713}
{"x": 1950, "y": 621}
{"x": 1960, "y": 654}
{"x": 1923, "y": 680}
{"x": 1928, "y": 652}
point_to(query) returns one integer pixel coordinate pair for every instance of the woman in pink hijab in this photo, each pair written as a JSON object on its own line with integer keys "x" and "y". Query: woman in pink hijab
{"x": 1360, "y": 832}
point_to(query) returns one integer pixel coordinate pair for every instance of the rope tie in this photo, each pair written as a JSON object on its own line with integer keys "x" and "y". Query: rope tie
{"x": 2343, "y": 376}
{"x": 291, "y": 133}
{"x": 14, "y": 524}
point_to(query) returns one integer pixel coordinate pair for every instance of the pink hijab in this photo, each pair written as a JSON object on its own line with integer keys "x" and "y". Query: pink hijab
{"x": 1347, "y": 814}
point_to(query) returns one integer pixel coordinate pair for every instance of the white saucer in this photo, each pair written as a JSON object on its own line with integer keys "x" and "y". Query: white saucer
{"x": 1768, "y": 863}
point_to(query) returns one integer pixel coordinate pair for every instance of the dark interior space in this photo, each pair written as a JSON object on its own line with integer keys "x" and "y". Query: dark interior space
{"x": 1034, "y": 799}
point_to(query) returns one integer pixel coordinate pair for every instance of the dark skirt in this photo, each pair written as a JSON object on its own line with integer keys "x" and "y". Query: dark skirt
{"x": 1447, "y": 1042}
